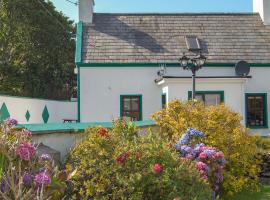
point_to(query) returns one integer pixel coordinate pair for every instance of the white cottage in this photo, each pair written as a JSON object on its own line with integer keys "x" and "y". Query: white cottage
{"x": 118, "y": 57}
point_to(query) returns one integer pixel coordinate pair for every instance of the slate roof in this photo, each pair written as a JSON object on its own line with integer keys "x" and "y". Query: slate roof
{"x": 159, "y": 38}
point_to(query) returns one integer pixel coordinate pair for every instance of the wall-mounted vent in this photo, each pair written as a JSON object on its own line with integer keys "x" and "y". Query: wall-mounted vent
{"x": 193, "y": 43}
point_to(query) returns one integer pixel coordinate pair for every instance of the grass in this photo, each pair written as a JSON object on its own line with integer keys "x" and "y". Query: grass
{"x": 264, "y": 194}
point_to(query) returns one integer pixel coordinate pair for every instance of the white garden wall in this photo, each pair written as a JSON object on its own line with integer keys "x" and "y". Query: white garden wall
{"x": 57, "y": 110}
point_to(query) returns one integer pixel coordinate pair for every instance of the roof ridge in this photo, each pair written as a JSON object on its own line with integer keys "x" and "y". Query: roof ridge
{"x": 181, "y": 13}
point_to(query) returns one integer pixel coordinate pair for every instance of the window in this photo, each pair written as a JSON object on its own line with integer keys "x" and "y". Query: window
{"x": 193, "y": 43}
{"x": 256, "y": 110}
{"x": 131, "y": 107}
{"x": 163, "y": 100}
{"x": 210, "y": 98}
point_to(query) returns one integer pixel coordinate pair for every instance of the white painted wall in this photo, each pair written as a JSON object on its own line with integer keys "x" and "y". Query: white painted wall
{"x": 263, "y": 8}
{"x": 101, "y": 88}
{"x": 58, "y": 110}
{"x": 234, "y": 97}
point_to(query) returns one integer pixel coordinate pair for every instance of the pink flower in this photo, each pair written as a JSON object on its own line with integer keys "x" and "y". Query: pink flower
{"x": 157, "y": 168}
{"x": 202, "y": 155}
{"x": 26, "y": 151}
{"x": 26, "y": 133}
{"x": 219, "y": 155}
{"x": 43, "y": 178}
{"x": 121, "y": 159}
{"x": 201, "y": 165}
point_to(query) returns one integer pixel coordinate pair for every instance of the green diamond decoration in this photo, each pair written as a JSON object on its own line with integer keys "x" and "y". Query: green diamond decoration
{"x": 27, "y": 116}
{"x": 4, "y": 114}
{"x": 45, "y": 115}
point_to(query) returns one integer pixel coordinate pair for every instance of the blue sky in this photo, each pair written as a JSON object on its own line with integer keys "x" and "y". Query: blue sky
{"x": 158, "y": 6}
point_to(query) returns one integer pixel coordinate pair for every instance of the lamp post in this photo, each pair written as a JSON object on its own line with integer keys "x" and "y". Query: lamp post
{"x": 193, "y": 64}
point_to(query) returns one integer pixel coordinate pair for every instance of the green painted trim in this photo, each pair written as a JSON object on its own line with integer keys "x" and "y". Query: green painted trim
{"x": 27, "y": 115}
{"x": 221, "y": 92}
{"x": 79, "y": 95}
{"x": 265, "y": 114}
{"x": 4, "y": 113}
{"x": 5, "y": 95}
{"x": 80, "y": 64}
{"x": 78, "y": 59}
{"x": 68, "y": 128}
{"x": 79, "y": 40}
{"x": 135, "y": 95}
{"x": 45, "y": 114}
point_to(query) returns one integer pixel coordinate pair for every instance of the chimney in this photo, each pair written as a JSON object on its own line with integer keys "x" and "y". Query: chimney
{"x": 86, "y": 10}
{"x": 263, "y": 8}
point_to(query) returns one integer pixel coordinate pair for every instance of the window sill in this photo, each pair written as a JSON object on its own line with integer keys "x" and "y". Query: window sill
{"x": 257, "y": 127}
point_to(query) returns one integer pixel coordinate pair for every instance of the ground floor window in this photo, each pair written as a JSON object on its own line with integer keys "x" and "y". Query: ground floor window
{"x": 256, "y": 110}
{"x": 131, "y": 107}
{"x": 209, "y": 98}
{"x": 163, "y": 100}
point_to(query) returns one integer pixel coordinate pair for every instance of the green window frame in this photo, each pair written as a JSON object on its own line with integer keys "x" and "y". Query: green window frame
{"x": 265, "y": 110}
{"x": 220, "y": 92}
{"x": 163, "y": 100}
{"x": 130, "y": 96}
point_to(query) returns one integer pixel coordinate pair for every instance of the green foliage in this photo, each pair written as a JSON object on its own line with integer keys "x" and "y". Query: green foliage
{"x": 119, "y": 164}
{"x": 36, "y": 51}
{"x": 224, "y": 131}
{"x": 263, "y": 144}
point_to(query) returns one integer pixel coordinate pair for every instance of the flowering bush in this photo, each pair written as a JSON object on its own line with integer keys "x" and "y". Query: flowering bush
{"x": 119, "y": 164}
{"x": 209, "y": 161}
{"x": 223, "y": 130}
{"x": 24, "y": 175}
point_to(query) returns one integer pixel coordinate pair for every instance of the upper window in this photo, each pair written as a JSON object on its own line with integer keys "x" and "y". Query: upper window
{"x": 131, "y": 107}
{"x": 209, "y": 98}
{"x": 256, "y": 109}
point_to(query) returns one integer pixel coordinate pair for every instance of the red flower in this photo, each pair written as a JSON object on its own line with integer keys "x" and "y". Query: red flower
{"x": 121, "y": 159}
{"x": 157, "y": 168}
{"x": 103, "y": 132}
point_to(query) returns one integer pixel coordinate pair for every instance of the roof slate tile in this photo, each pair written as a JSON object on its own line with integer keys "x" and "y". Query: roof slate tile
{"x": 158, "y": 38}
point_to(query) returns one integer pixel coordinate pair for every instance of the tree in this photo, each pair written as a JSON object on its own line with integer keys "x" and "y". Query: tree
{"x": 36, "y": 50}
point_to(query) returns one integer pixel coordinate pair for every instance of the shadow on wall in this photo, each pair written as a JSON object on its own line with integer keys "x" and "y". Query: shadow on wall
{"x": 121, "y": 30}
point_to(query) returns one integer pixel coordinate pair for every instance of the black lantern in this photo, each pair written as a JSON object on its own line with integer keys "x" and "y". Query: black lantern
{"x": 199, "y": 60}
{"x": 193, "y": 64}
{"x": 184, "y": 61}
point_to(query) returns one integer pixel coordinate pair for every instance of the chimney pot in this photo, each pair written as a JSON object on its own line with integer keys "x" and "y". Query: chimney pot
{"x": 86, "y": 10}
{"x": 263, "y": 8}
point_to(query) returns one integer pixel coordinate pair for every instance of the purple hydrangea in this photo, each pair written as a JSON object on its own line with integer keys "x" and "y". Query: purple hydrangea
{"x": 193, "y": 132}
{"x": 210, "y": 152}
{"x": 42, "y": 178}
{"x": 3, "y": 186}
{"x": 26, "y": 151}
{"x": 186, "y": 149}
{"x": 45, "y": 157}
{"x": 209, "y": 161}
{"x": 184, "y": 139}
{"x": 27, "y": 179}
{"x": 11, "y": 122}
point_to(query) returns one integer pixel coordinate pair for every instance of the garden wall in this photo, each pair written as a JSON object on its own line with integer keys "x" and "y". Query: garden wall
{"x": 64, "y": 141}
{"x": 29, "y": 110}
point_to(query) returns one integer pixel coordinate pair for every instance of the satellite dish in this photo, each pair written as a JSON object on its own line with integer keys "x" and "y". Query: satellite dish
{"x": 242, "y": 68}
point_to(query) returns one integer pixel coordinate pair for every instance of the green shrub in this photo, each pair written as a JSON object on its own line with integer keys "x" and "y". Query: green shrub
{"x": 263, "y": 144}
{"x": 119, "y": 164}
{"x": 224, "y": 131}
